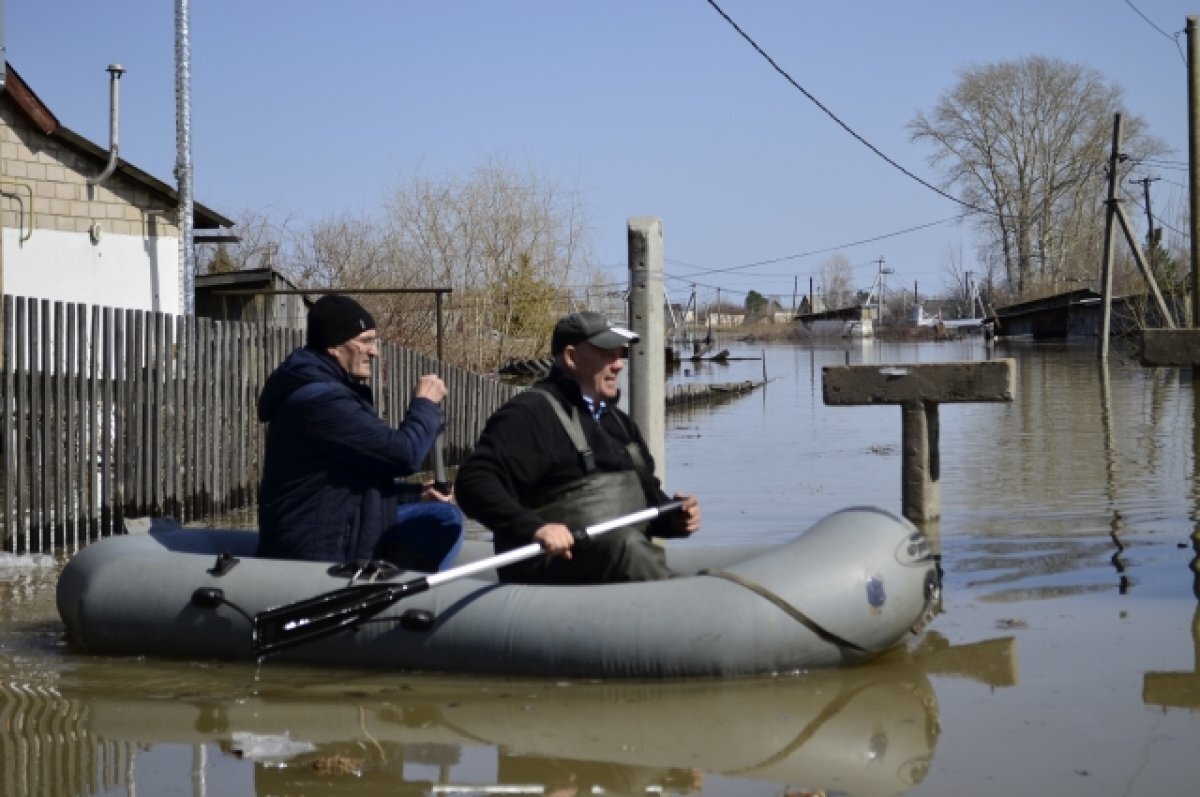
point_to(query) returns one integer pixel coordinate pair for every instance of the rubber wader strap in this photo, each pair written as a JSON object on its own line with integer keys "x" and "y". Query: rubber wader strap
{"x": 573, "y": 428}
{"x": 639, "y": 465}
{"x": 792, "y": 611}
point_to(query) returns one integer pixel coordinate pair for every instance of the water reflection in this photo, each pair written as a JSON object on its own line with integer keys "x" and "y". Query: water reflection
{"x": 1181, "y": 689}
{"x": 1176, "y": 689}
{"x": 869, "y": 730}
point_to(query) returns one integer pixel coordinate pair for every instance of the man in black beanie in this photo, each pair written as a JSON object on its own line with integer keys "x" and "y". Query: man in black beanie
{"x": 330, "y": 489}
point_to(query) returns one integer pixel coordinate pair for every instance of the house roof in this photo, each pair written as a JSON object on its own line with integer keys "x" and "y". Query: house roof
{"x": 1055, "y": 301}
{"x": 18, "y": 91}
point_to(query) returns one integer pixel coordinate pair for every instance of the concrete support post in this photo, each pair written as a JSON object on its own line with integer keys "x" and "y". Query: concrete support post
{"x": 920, "y": 468}
{"x": 647, "y": 368}
{"x": 1106, "y": 266}
{"x": 918, "y": 389}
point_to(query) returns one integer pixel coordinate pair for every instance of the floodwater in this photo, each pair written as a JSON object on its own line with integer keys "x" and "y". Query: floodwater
{"x": 1065, "y": 659}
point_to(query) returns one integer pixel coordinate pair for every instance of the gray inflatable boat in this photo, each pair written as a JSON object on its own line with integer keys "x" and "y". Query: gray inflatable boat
{"x": 853, "y": 585}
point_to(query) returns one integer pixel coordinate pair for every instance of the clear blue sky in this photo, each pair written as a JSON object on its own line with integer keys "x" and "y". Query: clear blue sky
{"x": 647, "y": 107}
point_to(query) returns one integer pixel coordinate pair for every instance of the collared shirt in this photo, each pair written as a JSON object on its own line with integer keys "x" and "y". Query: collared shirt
{"x": 596, "y": 408}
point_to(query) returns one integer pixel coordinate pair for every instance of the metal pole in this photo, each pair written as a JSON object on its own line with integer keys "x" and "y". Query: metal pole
{"x": 441, "y": 481}
{"x": 1194, "y": 161}
{"x": 183, "y": 162}
{"x": 441, "y": 333}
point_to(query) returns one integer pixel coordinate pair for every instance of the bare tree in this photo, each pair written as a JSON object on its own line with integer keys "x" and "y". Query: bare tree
{"x": 1026, "y": 144}
{"x": 507, "y": 244}
{"x": 836, "y": 278}
{"x": 262, "y": 243}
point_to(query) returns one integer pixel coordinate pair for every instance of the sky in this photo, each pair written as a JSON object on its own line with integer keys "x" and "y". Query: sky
{"x": 307, "y": 111}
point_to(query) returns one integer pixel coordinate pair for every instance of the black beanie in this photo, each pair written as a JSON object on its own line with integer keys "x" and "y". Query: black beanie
{"x": 334, "y": 319}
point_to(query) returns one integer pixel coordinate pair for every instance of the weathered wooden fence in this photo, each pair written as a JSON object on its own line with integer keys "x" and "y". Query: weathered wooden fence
{"x": 113, "y": 413}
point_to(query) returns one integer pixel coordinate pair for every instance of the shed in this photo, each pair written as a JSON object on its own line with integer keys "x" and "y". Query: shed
{"x": 247, "y": 296}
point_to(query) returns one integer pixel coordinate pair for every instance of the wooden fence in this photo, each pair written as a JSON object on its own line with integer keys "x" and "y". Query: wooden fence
{"x": 113, "y": 413}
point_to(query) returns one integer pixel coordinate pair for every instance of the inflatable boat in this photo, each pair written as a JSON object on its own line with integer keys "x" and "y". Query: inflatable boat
{"x": 851, "y": 586}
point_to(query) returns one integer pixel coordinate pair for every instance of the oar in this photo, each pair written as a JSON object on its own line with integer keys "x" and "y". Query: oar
{"x": 303, "y": 621}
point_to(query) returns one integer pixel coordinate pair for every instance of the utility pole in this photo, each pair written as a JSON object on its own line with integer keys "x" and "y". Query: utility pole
{"x": 1145, "y": 181}
{"x": 1115, "y": 214}
{"x": 879, "y": 297}
{"x": 1106, "y": 269}
{"x": 1193, "y": 45}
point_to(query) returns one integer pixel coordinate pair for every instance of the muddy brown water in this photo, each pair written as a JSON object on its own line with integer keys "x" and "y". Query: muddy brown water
{"x": 1065, "y": 660}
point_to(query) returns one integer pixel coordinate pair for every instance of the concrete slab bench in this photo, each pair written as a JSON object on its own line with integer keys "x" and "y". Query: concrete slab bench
{"x": 919, "y": 389}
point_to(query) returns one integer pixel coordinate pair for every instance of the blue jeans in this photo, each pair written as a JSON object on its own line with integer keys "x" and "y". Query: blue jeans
{"x": 427, "y": 536}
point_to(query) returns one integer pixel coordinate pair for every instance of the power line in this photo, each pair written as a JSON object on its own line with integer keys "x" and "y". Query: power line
{"x": 860, "y": 242}
{"x": 835, "y": 118}
{"x": 1176, "y": 166}
{"x": 1166, "y": 35}
{"x": 1141, "y": 205}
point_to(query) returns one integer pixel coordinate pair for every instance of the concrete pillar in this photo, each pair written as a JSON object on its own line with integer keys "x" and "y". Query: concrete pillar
{"x": 920, "y": 468}
{"x": 1171, "y": 347}
{"x": 918, "y": 389}
{"x": 647, "y": 369}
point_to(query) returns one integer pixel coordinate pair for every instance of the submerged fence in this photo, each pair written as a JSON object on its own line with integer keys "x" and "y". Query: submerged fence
{"x": 114, "y": 413}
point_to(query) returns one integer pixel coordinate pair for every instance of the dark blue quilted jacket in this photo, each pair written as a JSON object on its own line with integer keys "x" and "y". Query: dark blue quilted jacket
{"x": 329, "y": 476}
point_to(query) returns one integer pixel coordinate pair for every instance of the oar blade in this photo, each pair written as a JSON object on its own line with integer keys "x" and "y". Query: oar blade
{"x": 295, "y": 623}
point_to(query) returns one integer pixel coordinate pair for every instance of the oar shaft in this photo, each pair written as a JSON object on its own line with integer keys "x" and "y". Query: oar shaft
{"x": 533, "y": 549}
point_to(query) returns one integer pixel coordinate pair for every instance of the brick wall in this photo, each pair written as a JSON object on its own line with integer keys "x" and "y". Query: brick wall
{"x": 56, "y": 175}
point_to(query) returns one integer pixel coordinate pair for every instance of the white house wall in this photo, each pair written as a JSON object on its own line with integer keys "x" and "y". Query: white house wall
{"x": 45, "y": 198}
{"x": 117, "y": 271}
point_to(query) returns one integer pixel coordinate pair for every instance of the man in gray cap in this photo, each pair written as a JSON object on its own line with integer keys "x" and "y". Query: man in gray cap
{"x": 330, "y": 484}
{"x": 562, "y": 455}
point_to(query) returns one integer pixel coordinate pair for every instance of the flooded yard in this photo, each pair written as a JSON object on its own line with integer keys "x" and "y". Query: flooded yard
{"x": 1065, "y": 658}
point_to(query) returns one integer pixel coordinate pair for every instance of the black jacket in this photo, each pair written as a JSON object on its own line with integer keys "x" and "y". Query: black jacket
{"x": 524, "y": 452}
{"x": 329, "y": 476}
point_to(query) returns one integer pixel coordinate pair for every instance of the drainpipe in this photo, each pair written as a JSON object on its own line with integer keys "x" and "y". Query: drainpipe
{"x": 114, "y": 77}
{"x": 3, "y": 51}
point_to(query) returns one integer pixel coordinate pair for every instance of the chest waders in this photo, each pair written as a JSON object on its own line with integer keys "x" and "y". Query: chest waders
{"x": 621, "y": 555}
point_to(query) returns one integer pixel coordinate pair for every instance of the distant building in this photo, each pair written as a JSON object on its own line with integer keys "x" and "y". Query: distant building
{"x": 726, "y": 319}
{"x": 115, "y": 243}
{"x": 848, "y": 322}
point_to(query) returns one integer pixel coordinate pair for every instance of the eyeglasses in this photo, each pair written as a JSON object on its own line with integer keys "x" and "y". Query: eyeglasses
{"x": 367, "y": 343}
